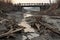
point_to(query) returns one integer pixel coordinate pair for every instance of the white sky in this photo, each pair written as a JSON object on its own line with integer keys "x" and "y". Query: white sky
{"x": 31, "y": 1}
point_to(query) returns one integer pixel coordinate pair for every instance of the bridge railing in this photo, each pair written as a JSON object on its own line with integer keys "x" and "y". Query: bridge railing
{"x": 32, "y": 4}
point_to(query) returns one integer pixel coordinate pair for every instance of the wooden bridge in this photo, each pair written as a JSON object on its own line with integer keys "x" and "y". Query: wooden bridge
{"x": 32, "y": 4}
{"x": 41, "y": 5}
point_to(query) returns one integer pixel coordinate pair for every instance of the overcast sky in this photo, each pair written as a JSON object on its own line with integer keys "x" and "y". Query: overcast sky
{"x": 31, "y": 1}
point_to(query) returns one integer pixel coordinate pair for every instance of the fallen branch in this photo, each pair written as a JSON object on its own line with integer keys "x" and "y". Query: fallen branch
{"x": 10, "y": 32}
{"x": 55, "y": 17}
{"x": 46, "y": 25}
{"x": 49, "y": 27}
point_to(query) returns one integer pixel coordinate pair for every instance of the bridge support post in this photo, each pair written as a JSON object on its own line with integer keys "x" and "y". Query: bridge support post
{"x": 21, "y": 8}
{"x": 40, "y": 8}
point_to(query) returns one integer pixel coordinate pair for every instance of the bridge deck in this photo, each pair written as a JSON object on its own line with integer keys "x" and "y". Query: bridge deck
{"x": 32, "y": 4}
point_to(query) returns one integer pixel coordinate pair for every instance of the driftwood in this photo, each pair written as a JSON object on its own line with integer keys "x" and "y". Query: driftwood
{"x": 55, "y": 17}
{"x": 39, "y": 23}
{"x": 51, "y": 28}
{"x": 11, "y": 27}
{"x": 11, "y": 31}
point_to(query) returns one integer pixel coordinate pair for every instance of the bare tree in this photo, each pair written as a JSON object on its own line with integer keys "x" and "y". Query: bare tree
{"x": 53, "y": 7}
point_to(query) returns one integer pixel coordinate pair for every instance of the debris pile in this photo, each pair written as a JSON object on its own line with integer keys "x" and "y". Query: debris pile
{"x": 8, "y": 26}
{"x": 46, "y": 26}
